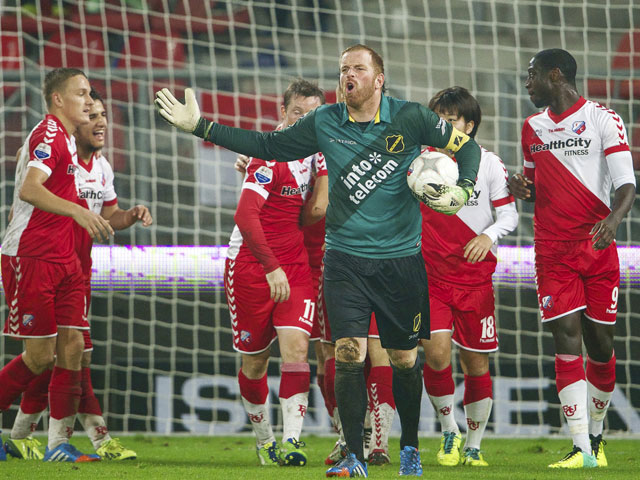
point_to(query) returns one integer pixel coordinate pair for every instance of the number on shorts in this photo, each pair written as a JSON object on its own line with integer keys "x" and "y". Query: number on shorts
{"x": 614, "y": 298}
{"x": 488, "y": 327}
{"x": 309, "y": 309}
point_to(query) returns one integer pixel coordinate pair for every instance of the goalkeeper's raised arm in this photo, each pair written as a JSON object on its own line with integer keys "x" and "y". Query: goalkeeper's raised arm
{"x": 292, "y": 143}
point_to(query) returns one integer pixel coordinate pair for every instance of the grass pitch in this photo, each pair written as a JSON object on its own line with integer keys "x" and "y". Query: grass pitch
{"x": 230, "y": 458}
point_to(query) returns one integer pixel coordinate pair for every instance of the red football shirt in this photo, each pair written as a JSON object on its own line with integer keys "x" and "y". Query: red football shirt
{"x": 34, "y": 232}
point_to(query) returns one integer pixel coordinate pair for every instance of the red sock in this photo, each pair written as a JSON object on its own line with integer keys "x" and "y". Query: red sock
{"x": 36, "y": 397}
{"x": 253, "y": 391}
{"x": 477, "y": 388}
{"x": 379, "y": 387}
{"x": 569, "y": 372}
{"x": 602, "y": 375}
{"x": 330, "y": 384}
{"x": 14, "y": 378}
{"x": 438, "y": 383}
{"x": 64, "y": 392}
{"x": 88, "y": 401}
{"x": 295, "y": 378}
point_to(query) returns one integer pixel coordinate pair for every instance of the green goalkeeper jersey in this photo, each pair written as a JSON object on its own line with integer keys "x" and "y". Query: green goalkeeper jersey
{"x": 371, "y": 211}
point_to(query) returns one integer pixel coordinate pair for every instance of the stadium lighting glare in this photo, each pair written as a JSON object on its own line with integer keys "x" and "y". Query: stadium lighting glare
{"x": 187, "y": 268}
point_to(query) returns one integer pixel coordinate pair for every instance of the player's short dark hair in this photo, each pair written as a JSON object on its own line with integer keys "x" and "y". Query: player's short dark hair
{"x": 378, "y": 63}
{"x": 56, "y": 79}
{"x": 302, "y": 88}
{"x": 95, "y": 95}
{"x": 558, "y": 58}
{"x": 458, "y": 101}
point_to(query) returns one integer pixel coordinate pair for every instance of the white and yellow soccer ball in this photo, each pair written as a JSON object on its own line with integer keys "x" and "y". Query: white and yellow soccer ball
{"x": 432, "y": 179}
{"x": 431, "y": 168}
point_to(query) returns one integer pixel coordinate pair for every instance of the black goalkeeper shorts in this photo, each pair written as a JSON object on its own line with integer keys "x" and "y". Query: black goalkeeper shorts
{"x": 395, "y": 289}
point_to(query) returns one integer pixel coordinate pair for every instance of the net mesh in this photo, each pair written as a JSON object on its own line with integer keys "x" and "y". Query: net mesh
{"x": 163, "y": 360}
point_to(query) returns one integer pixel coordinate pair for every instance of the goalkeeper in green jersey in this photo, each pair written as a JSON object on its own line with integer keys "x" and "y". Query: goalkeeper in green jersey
{"x": 372, "y": 262}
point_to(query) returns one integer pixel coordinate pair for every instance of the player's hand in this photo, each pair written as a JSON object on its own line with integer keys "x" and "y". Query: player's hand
{"x": 604, "y": 232}
{"x": 98, "y": 228}
{"x": 140, "y": 213}
{"x": 447, "y": 199}
{"x": 279, "y": 285}
{"x": 184, "y": 116}
{"x": 476, "y": 250}
{"x": 519, "y": 186}
{"x": 242, "y": 161}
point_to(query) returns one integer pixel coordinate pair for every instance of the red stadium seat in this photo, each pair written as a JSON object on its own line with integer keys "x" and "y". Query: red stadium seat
{"x": 635, "y": 143}
{"x": 330, "y": 96}
{"x": 75, "y": 48}
{"x": 149, "y": 52}
{"x": 11, "y": 55}
{"x": 626, "y": 60}
{"x": 242, "y": 110}
{"x": 11, "y": 61}
{"x": 10, "y": 52}
{"x": 194, "y": 16}
{"x": 600, "y": 89}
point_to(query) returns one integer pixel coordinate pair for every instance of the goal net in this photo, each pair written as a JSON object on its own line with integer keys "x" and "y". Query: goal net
{"x": 163, "y": 360}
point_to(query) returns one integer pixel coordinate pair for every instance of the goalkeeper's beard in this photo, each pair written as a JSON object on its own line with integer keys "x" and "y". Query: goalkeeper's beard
{"x": 359, "y": 95}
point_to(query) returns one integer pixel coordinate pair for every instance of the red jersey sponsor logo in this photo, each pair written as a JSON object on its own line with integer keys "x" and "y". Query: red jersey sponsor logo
{"x": 288, "y": 190}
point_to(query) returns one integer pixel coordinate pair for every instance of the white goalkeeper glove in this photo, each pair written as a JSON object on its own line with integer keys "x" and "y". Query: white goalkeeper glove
{"x": 447, "y": 199}
{"x": 184, "y": 116}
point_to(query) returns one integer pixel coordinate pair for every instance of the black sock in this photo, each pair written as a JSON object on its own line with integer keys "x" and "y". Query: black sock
{"x": 351, "y": 397}
{"x": 407, "y": 392}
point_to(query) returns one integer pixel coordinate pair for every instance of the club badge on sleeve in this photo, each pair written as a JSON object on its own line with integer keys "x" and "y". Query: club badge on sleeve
{"x": 263, "y": 175}
{"x": 42, "y": 151}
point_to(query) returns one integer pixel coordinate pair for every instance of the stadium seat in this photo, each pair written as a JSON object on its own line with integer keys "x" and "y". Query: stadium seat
{"x": 11, "y": 61}
{"x": 625, "y": 61}
{"x": 11, "y": 55}
{"x": 242, "y": 110}
{"x": 600, "y": 89}
{"x": 29, "y": 23}
{"x": 76, "y": 48}
{"x": 194, "y": 16}
{"x": 634, "y": 133}
{"x": 148, "y": 53}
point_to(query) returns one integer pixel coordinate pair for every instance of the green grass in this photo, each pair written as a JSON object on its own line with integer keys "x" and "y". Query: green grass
{"x": 230, "y": 458}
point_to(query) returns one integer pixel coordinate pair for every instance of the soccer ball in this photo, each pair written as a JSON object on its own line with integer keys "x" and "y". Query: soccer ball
{"x": 428, "y": 170}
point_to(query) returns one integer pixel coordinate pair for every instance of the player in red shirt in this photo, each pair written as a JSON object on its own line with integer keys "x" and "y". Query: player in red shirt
{"x": 575, "y": 151}
{"x": 41, "y": 272}
{"x": 269, "y": 289}
{"x": 94, "y": 180}
{"x": 460, "y": 256}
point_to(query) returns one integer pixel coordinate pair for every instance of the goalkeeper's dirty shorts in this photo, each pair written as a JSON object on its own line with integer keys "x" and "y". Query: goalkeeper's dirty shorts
{"x": 395, "y": 289}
